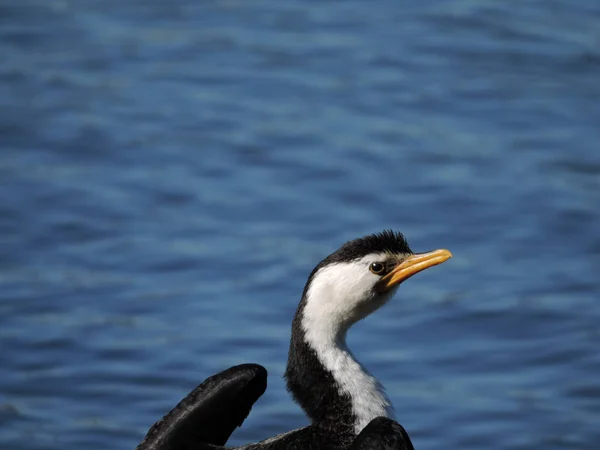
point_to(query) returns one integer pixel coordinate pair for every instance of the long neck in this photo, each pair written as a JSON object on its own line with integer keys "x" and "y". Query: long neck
{"x": 326, "y": 380}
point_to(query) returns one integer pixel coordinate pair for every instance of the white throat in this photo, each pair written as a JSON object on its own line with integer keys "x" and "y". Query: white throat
{"x": 325, "y": 322}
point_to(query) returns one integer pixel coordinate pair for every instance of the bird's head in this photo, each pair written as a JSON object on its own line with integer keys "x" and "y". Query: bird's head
{"x": 360, "y": 277}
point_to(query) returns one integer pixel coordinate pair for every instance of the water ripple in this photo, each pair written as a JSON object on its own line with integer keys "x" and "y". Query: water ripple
{"x": 172, "y": 172}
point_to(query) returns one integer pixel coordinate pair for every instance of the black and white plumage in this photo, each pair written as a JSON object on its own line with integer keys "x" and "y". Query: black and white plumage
{"x": 347, "y": 406}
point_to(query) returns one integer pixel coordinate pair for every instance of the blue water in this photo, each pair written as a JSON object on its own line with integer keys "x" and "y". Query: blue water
{"x": 172, "y": 171}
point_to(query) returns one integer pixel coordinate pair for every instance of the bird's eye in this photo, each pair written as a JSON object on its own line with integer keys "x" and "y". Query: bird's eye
{"x": 377, "y": 268}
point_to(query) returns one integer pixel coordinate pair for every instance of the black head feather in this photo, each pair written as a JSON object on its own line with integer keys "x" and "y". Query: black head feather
{"x": 388, "y": 241}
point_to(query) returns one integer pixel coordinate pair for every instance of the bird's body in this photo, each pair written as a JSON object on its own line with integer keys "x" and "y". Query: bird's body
{"x": 347, "y": 406}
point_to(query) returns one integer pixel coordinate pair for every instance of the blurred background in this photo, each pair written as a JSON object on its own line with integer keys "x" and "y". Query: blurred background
{"x": 172, "y": 171}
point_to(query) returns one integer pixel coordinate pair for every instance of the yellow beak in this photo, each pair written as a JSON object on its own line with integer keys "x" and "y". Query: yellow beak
{"x": 411, "y": 265}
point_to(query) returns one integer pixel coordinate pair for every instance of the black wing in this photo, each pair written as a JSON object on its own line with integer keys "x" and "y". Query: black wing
{"x": 382, "y": 434}
{"x": 210, "y": 413}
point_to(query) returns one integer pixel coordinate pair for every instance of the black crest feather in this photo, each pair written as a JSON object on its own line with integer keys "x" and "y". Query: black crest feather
{"x": 388, "y": 241}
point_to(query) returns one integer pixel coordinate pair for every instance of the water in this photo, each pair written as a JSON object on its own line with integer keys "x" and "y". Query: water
{"x": 172, "y": 171}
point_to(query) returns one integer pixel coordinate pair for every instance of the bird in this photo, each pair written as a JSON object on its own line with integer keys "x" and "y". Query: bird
{"x": 347, "y": 406}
